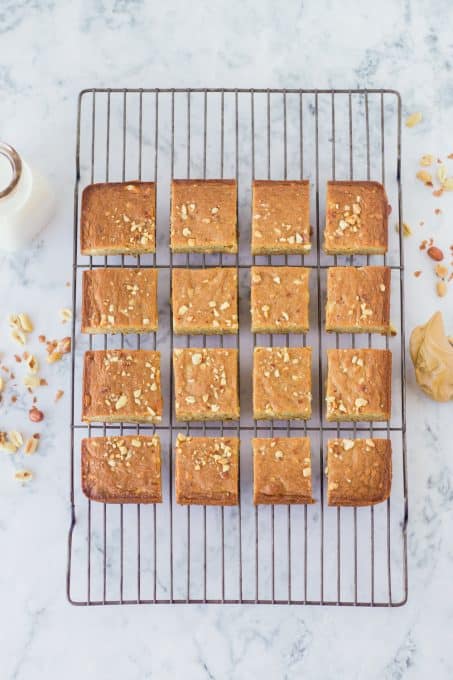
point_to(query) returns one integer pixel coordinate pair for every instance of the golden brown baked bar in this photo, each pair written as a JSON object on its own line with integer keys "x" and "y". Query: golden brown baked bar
{"x": 204, "y": 216}
{"x": 118, "y": 217}
{"x": 206, "y": 384}
{"x": 358, "y": 299}
{"x": 281, "y": 383}
{"x": 356, "y": 218}
{"x": 205, "y": 301}
{"x": 207, "y": 470}
{"x": 281, "y": 217}
{"x": 282, "y": 470}
{"x": 117, "y": 300}
{"x": 359, "y": 384}
{"x": 359, "y": 471}
{"x": 122, "y": 386}
{"x": 280, "y": 299}
{"x": 123, "y": 469}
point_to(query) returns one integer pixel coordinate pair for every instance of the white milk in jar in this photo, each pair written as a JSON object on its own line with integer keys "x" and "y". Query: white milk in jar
{"x": 26, "y": 201}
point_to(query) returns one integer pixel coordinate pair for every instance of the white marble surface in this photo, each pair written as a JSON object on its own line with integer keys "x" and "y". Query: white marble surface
{"x": 50, "y": 50}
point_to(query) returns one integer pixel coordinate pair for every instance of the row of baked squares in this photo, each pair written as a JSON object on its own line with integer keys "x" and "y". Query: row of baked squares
{"x": 205, "y": 301}
{"x": 121, "y": 217}
{"x": 125, "y": 385}
{"x": 127, "y": 469}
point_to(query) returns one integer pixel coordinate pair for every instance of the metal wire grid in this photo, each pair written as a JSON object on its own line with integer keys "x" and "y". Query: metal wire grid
{"x": 298, "y": 521}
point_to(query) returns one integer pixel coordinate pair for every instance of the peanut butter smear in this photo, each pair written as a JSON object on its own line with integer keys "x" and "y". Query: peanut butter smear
{"x": 432, "y": 355}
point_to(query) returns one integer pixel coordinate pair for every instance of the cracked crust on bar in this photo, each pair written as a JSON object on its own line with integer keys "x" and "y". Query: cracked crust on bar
{"x": 359, "y": 471}
{"x": 280, "y": 217}
{"x": 282, "y": 470}
{"x": 122, "y": 386}
{"x": 203, "y": 216}
{"x": 282, "y": 383}
{"x": 118, "y": 217}
{"x": 117, "y": 300}
{"x": 358, "y": 300}
{"x": 205, "y": 301}
{"x": 122, "y": 469}
{"x": 206, "y": 384}
{"x": 207, "y": 470}
{"x": 356, "y": 218}
{"x": 280, "y": 299}
{"x": 359, "y": 384}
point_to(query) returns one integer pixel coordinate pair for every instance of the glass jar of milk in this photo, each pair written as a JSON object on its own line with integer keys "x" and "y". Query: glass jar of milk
{"x": 26, "y": 200}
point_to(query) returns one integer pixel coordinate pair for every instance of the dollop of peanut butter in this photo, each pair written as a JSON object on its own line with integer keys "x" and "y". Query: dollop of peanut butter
{"x": 432, "y": 355}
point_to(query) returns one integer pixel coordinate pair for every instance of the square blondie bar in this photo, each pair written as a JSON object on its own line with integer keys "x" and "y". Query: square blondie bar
{"x": 280, "y": 299}
{"x": 358, "y": 300}
{"x": 280, "y": 217}
{"x": 282, "y": 470}
{"x": 207, "y": 470}
{"x": 356, "y": 218}
{"x": 122, "y": 385}
{"x": 282, "y": 383}
{"x": 359, "y": 471}
{"x": 206, "y": 384}
{"x": 118, "y": 217}
{"x": 205, "y": 301}
{"x": 122, "y": 469}
{"x": 203, "y": 216}
{"x": 117, "y": 300}
{"x": 359, "y": 384}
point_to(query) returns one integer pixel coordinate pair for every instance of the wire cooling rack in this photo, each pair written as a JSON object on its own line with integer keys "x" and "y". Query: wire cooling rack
{"x": 124, "y": 554}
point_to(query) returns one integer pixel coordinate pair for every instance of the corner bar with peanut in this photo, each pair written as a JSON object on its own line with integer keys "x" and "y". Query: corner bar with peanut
{"x": 356, "y": 218}
{"x": 122, "y": 469}
{"x": 359, "y": 471}
{"x": 118, "y": 217}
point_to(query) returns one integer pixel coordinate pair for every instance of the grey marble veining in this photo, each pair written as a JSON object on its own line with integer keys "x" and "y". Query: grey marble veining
{"x": 51, "y": 50}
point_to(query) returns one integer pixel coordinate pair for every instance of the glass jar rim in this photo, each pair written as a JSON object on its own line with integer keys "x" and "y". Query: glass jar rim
{"x": 16, "y": 165}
